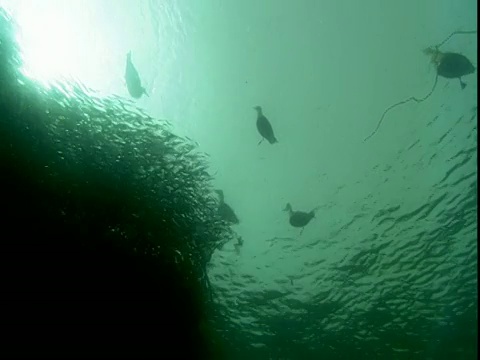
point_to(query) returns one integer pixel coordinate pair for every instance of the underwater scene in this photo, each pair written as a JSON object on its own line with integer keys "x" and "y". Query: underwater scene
{"x": 270, "y": 180}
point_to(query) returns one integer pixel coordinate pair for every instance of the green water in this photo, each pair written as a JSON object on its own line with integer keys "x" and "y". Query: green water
{"x": 388, "y": 268}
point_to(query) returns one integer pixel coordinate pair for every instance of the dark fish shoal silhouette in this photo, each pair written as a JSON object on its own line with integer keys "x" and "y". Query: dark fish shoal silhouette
{"x": 134, "y": 84}
{"x": 225, "y": 212}
{"x": 264, "y": 127}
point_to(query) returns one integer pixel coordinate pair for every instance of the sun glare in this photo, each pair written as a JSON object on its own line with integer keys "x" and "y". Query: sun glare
{"x": 60, "y": 39}
{"x": 48, "y": 47}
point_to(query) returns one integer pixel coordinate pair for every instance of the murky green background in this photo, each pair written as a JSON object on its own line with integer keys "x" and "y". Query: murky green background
{"x": 388, "y": 268}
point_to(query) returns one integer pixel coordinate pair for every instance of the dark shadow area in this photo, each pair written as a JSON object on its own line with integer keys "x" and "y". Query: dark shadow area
{"x": 105, "y": 234}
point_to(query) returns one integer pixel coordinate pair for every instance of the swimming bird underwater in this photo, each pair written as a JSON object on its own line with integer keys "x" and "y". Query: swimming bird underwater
{"x": 299, "y": 219}
{"x": 238, "y": 244}
{"x": 134, "y": 84}
{"x": 264, "y": 127}
{"x": 225, "y": 212}
{"x": 448, "y": 65}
